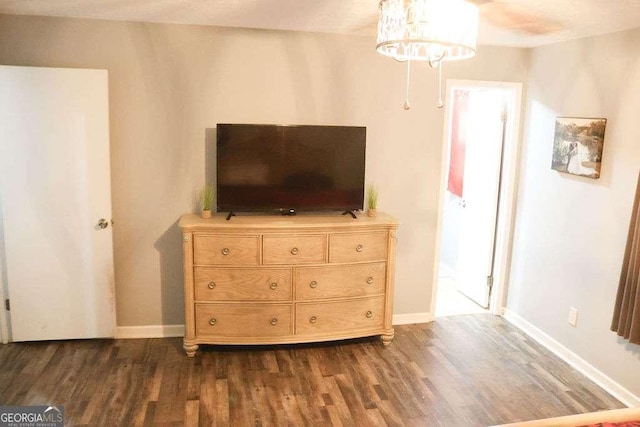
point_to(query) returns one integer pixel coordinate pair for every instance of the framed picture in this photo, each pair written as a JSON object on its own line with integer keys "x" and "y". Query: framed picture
{"x": 577, "y": 146}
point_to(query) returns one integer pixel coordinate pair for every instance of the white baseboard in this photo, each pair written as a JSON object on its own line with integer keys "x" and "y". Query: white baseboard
{"x": 149, "y": 331}
{"x": 411, "y": 318}
{"x": 584, "y": 367}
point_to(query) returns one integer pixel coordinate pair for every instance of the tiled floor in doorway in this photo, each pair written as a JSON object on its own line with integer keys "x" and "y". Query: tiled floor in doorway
{"x": 449, "y": 301}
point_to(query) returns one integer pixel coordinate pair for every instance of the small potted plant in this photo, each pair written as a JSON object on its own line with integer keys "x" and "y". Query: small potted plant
{"x": 372, "y": 200}
{"x": 207, "y": 195}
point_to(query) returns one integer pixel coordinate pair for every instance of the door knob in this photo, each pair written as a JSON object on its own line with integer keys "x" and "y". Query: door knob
{"x": 102, "y": 224}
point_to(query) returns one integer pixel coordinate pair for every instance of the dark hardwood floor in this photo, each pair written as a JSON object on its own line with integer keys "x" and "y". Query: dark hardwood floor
{"x": 475, "y": 370}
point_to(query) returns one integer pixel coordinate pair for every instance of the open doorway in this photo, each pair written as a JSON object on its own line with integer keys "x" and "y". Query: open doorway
{"x": 476, "y": 197}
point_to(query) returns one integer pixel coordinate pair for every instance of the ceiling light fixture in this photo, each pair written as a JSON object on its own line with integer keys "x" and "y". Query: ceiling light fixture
{"x": 427, "y": 30}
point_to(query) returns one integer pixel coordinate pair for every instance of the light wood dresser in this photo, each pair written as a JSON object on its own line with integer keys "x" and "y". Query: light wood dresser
{"x": 273, "y": 279}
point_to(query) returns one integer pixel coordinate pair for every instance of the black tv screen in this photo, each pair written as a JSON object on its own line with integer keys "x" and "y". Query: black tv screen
{"x": 278, "y": 168}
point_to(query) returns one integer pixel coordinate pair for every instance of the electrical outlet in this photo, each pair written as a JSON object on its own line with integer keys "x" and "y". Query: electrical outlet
{"x": 573, "y": 316}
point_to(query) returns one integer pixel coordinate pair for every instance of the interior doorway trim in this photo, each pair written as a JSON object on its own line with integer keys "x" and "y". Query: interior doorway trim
{"x": 4, "y": 315}
{"x": 507, "y": 196}
{"x": 4, "y": 329}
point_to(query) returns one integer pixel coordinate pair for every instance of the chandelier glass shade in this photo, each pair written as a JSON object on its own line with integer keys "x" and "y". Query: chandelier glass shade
{"x": 427, "y": 30}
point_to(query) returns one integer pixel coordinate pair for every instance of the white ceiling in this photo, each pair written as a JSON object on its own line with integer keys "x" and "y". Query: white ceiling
{"x": 575, "y": 18}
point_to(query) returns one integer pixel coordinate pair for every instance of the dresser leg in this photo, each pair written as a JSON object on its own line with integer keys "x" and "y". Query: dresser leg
{"x": 190, "y": 348}
{"x": 388, "y": 337}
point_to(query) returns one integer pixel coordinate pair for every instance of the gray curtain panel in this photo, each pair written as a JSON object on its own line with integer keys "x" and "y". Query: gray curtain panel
{"x": 626, "y": 315}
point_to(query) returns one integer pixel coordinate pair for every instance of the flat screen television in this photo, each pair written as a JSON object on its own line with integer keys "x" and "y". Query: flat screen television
{"x": 282, "y": 168}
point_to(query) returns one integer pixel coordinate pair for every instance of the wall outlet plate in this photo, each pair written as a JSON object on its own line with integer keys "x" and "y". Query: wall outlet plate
{"x": 573, "y": 316}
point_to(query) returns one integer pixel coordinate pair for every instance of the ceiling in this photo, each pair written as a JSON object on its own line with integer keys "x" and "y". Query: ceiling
{"x": 571, "y": 18}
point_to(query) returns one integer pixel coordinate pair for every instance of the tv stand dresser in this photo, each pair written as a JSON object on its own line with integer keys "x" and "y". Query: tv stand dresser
{"x": 276, "y": 280}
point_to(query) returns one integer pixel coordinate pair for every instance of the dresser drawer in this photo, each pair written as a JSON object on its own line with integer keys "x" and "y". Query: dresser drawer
{"x": 353, "y": 247}
{"x": 234, "y": 284}
{"x": 341, "y": 316}
{"x": 303, "y": 249}
{"x": 243, "y": 320}
{"x": 340, "y": 281}
{"x": 226, "y": 250}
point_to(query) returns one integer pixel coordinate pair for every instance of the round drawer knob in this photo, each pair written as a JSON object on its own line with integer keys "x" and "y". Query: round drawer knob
{"x": 211, "y": 285}
{"x": 313, "y": 319}
{"x": 225, "y": 251}
{"x": 294, "y": 251}
{"x": 369, "y": 280}
{"x": 212, "y": 321}
{"x": 359, "y": 248}
{"x": 313, "y": 284}
{"x": 273, "y": 286}
{"x": 369, "y": 314}
{"x": 274, "y": 321}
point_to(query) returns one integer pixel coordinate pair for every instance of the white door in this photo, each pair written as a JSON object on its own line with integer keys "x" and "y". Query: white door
{"x": 54, "y": 190}
{"x": 484, "y": 135}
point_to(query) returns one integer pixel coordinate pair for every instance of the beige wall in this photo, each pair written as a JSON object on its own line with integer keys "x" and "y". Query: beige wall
{"x": 571, "y": 231}
{"x": 170, "y": 83}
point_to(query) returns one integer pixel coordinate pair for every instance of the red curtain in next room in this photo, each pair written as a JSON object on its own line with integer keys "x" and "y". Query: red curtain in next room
{"x": 460, "y": 110}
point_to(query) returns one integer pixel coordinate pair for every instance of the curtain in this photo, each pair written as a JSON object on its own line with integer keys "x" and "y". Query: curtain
{"x": 626, "y": 314}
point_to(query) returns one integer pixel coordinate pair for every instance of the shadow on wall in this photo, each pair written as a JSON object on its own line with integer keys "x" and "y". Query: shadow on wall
{"x": 210, "y": 156}
{"x": 169, "y": 246}
{"x": 630, "y": 348}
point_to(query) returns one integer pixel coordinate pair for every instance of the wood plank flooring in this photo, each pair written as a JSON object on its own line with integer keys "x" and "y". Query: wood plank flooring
{"x": 475, "y": 370}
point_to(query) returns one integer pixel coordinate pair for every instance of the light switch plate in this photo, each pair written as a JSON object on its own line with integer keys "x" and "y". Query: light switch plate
{"x": 573, "y": 316}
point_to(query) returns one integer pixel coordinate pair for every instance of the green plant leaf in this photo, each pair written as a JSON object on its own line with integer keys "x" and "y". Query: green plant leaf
{"x": 372, "y": 196}
{"x": 207, "y": 195}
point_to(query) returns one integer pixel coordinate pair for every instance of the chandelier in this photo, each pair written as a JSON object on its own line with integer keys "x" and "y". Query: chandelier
{"x": 427, "y": 30}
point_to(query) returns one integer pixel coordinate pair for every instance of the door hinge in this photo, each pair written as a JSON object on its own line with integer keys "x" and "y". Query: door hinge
{"x": 7, "y": 304}
{"x": 490, "y": 281}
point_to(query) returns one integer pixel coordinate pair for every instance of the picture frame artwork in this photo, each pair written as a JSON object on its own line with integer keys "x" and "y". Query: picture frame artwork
{"x": 577, "y": 146}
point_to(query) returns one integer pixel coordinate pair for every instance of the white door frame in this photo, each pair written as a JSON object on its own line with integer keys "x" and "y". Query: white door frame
{"x": 4, "y": 329}
{"x": 4, "y": 325}
{"x": 506, "y": 209}
{"x": 4, "y": 318}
